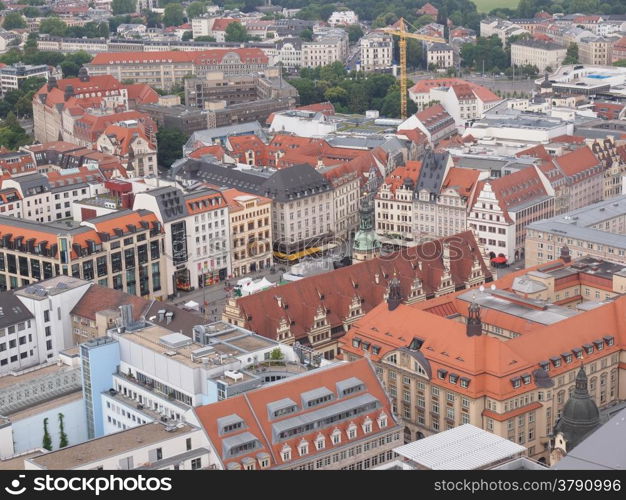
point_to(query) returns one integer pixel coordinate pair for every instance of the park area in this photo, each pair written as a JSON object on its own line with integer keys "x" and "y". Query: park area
{"x": 489, "y": 5}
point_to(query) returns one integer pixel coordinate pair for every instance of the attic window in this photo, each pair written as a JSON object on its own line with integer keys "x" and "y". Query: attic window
{"x": 545, "y": 365}
{"x": 588, "y": 348}
{"x": 441, "y": 373}
{"x": 375, "y": 350}
{"x": 526, "y": 379}
{"x": 567, "y": 357}
{"x": 556, "y": 361}
{"x": 599, "y": 344}
{"x": 516, "y": 382}
{"x": 609, "y": 340}
{"x": 356, "y": 342}
{"x": 465, "y": 382}
{"x": 453, "y": 378}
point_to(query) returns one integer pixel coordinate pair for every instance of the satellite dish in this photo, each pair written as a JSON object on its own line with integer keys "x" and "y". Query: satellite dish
{"x": 493, "y": 287}
{"x": 482, "y": 288}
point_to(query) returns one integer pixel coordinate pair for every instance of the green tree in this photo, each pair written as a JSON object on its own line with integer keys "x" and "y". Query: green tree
{"x": 307, "y": 34}
{"x": 204, "y": 38}
{"x": 153, "y": 19}
{"x": 526, "y": 9}
{"x": 174, "y": 15}
{"x": 276, "y": 354}
{"x": 47, "y": 440}
{"x": 123, "y": 6}
{"x": 187, "y": 35}
{"x": 571, "y": 56}
{"x": 336, "y": 95}
{"x": 13, "y": 20}
{"x": 170, "y": 141}
{"x": 195, "y": 9}
{"x": 354, "y": 32}
{"x": 621, "y": 63}
{"x": 236, "y": 32}
{"x": 53, "y": 26}
{"x": 62, "y": 436}
{"x": 31, "y": 12}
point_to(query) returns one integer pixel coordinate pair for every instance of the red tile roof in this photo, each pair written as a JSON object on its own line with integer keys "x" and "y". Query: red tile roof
{"x": 262, "y": 312}
{"x": 221, "y": 23}
{"x": 483, "y": 93}
{"x": 411, "y": 170}
{"x": 124, "y": 137}
{"x": 578, "y": 161}
{"x": 463, "y": 180}
{"x": 216, "y": 150}
{"x": 99, "y": 298}
{"x": 252, "y": 408}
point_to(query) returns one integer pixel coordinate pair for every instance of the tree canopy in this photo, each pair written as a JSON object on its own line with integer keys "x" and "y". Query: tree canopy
{"x": 236, "y": 32}
{"x": 174, "y": 15}
{"x": 13, "y": 20}
{"x": 123, "y": 6}
{"x": 170, "y": 141}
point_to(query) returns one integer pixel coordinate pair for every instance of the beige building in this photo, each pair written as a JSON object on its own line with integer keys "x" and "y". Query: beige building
{"x": 169, "y": 68}
{"x": 432, "y": 364}
{"x": 439, "y": 55}
{"x": 376, "y": 50}
{"x": 598, "y": 230}
{"x": 595, "y": 50}
{"x": 394, "y": 205}
{"x": 321, "y": 52}
{"x": 346, "y": 194}
{"x": 251, "y": 231}
{"x": 129, "y": 143}
{"x": 537, "y": 53}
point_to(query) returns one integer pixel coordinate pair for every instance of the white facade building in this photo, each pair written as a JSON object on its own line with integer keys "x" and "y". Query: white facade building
{"x": 376, "y": 51}
{"x": 343, "y": 18}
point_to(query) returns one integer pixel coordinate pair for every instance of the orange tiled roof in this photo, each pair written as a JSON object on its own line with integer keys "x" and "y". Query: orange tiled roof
{"x": 578, "y": 161}
{"x": 124, "y": 137}
{"x": 462, "y": 180}
{"x": 483, "y": 93}
{"x": 252, "y": 408}
{"x": 411, "y": 170}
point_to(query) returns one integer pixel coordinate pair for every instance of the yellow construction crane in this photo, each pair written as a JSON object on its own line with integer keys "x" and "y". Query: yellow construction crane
{"x": 401, "y": 32}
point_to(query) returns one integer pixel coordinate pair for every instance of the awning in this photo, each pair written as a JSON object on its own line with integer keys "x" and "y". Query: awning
{"x": 192, "y": 305}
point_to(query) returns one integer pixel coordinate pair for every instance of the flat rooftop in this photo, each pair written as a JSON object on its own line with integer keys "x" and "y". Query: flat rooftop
{"x": 537, "y": 311}
{"x": 48, "y": 405}
{"x": 110, "y": 446}
{"x": 465, "y": 447}
{"x": 17, "y": 463}
{"x": 9, "y": 380}
{"x": 53, "y": 286}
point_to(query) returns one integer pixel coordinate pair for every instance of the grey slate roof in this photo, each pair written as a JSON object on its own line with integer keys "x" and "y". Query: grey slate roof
{"x": 12, "y": 310}
{"x": 432, "y": 172}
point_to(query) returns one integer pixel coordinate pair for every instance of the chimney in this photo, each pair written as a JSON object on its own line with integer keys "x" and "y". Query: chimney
{"x": 52, "y": 83}
{"x": 161, "y": 313}
{"x": 126, "y": 314}
{"x": 395, "y": 295}
{"x": 169, "y": 315}
{"x": 565, "y": 255}
{"x": 474, "y": 325}
{"x": 377, "y": 278}
{"x": 83, "y": 75}
{"x": 69, "y": 92}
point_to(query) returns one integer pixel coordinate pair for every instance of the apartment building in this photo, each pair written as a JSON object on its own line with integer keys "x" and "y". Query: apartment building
{"x": 301, "y": 311}
{"x": 197, "y": 245}
{"x": 439, "y": 55}
{"x": 251, "y": 231}
{"x": 12, "y": 77}
{"x": 434, "y": 122}
{"x": 289, "y": 52}
{"x": 128, "y": 142}
{"x": 462, "y": 100}
{"x": 302, "y": 200}
{"x": 504, "y": 207}
{"x": 394, "y": 203}
{"x": 597, "y": 230}
{"x": 343, "y": 18}
{"x": 345, "y": 183}
{"x": 537, "y": 53}
{"x": 60, "y": 105}
{"x": 502, "y": 28}
{"x": 376, "y": 51}
{"x": 336, "y": 418}
{"x": 117, "y": 250}
{"x": 322, "y": 51}
{"x": 433, "y": 363}
{"x": 169, "y": 68}
{"x": 595, "y": 50}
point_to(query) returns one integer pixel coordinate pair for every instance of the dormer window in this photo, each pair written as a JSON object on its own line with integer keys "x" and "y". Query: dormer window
{"x": 352, "y": 431}
{"x": 382, "y": 421}
{"x": 516, "y": 382}
{"x": 303, "y": 448}
{"x": 367, "y": 426}
{"x": 609, "y": 340}
{"x": 578, "y": 352}
{"x": 588, "y": 348}
{"x": 465, "y": 382}
{"x": 356, "y": 342}
{"x": 441, "y": 373}
{"x": 599, "y": 344}
{"x": 556, "y": 361}
{"x": 567, "y": 357}
{"x": 320, "y": 442}
{"x": 526, "y": 379}
{"x": 453, "y": 378}
{"x": 335, "y": 437}
{"x": 285, "y": 453}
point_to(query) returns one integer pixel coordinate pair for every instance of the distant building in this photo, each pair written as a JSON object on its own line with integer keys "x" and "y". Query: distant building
{"x": 11, "y": 77}
{"x": 439, "y": 55}
{"x": 376, "y": 51}
{"x": 537, "y": 53}
{"x": 343, "y": 18}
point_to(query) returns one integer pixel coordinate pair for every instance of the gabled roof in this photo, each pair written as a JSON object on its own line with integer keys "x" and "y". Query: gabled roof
{"x": 577, "y": 161}
{"x": 99, "y": 298}
{"x": 123, "y": 138}
{"x": 366, "y": 281}
{"x": 406, "y": 174}
{"x": 462, "y": 180}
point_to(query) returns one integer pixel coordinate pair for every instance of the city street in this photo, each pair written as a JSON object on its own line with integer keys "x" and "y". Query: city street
{"x": 216, "y": 296}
